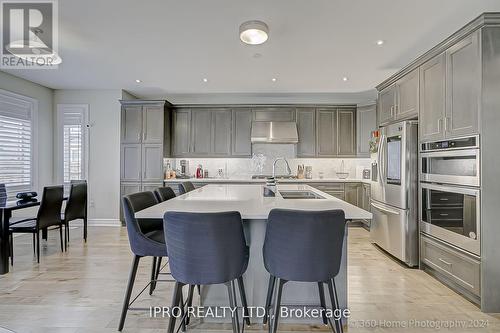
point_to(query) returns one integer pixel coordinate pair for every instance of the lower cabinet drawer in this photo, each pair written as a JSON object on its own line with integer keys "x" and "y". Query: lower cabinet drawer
{"x": 457, "y": 266}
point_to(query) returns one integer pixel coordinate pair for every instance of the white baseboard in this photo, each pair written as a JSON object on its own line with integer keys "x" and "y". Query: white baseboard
{"x": 98, "y": 223}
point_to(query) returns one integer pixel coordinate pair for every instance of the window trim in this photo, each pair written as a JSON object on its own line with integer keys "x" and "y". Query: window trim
{"x": 32, "y": 103}
{"x": 60, "y": 107}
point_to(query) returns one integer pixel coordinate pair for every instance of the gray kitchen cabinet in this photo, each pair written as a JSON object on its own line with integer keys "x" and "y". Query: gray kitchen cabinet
{"x": 326, "y": 144}
{"x": 201, "y": 132}
{"x": 274, "y": 114}
{"x": 151, "y": 186}
{"x": 346, "y": 132}
{"x": 181, "y": 132}
{"x": 241, "y": 132}
{"x": 366, "y": 197}
{"x": 129, "y": 188}
{"x": 407, "y": 105}
{"x": 152, "y": 162}
{"x": 353, "y": 193}
{"x": 306, "y": 128}
{"x": 386, "y": 105}
{"x": 152, "y": 124}
{"x": 463, "y": 83}
{"x": 131, "y": 162}
{"x": 131, "y": 124}
{"x": 366, "y": 119}
{"x": 221, "y": 132}
{"x": 432, "y": 98}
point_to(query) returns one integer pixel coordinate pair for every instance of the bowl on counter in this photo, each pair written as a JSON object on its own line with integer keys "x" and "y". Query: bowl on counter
{"x": 342, "y": 175}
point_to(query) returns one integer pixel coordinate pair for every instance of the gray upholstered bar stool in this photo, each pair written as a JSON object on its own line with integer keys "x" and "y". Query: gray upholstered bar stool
{"x": 186, "y": 187}
{"x": 164, "y": 193}
{"x": 206, "y": 249}
{"x": 146, "y": 240}
{"x": 303, "y": 246}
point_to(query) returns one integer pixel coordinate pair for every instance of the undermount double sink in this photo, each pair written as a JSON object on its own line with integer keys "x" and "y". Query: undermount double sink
{"x": 300, "y": 195}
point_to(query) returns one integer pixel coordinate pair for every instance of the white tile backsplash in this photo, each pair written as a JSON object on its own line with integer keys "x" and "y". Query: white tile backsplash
{"x": 245, "y": 168}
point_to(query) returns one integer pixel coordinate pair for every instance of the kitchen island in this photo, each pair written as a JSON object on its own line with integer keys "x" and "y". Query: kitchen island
{"x": 254, "y": 209}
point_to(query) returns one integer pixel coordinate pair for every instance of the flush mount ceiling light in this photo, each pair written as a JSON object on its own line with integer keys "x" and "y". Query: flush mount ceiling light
{"x": 205, "y": 80}
{"x": 138, "y": 81}
{"x": 254, "y": 32}
{"x": 345, "y": 78}
{"x": 380, "y": 42}
{"x": 39, "y": 51}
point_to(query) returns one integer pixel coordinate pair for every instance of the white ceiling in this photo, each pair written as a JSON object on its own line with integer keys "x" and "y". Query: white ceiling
{"x": 171, "y": 45}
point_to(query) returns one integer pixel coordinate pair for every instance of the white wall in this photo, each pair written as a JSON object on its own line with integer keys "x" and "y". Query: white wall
{"x": 104, "y": 148}
{"x": 45, "y": 123}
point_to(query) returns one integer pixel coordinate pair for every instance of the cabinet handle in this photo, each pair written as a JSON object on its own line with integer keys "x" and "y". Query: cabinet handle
{"x": 444, "y": 261}
{"x": 439, "y": 124}
{"x": 144, "y": 174}
{"x": 446, "y": 124}
{"x": 392, "y": 110}
{"x": 443, "y": 214}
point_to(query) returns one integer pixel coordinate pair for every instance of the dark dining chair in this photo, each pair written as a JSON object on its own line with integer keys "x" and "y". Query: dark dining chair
{"x": 206, "y": 249}
{"x": 49, "y": 214}
{"x": 186, "y": 187}
{"x": 76, "y": 208}
{"x": 146, "y": 240}
{"x": 303, "y": 246}
{"x": 164, "y": 193}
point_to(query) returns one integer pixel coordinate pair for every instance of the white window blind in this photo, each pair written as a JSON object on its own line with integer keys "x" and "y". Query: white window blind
{"x": 16, "y": 144}
{"x": 72, "y": 122}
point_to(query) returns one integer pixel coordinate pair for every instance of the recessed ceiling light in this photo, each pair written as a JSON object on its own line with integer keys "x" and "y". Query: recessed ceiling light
{"x": 380, "y": 42}
{"x": 254, "y": 32}
{"x": 205, "y": 80}
{"x": 138, "y": 81}
{"x": 274, "y": 79}
{"x": 345, "y": 78}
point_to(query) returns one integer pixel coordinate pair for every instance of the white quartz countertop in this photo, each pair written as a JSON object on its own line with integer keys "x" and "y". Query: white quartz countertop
{"x": 249, "y": 200}
{"x": 260, "y": 181}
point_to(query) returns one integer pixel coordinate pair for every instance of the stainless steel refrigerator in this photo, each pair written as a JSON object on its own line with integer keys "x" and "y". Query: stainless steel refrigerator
{"x": 394, "y": 200}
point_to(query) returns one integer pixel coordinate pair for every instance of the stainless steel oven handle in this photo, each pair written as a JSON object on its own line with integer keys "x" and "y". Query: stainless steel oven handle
{"x": 385, "y": 210}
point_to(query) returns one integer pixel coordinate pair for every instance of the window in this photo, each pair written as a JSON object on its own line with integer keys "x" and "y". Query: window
{"x": 16, "y": 142}
{"x": 72, "y": 120}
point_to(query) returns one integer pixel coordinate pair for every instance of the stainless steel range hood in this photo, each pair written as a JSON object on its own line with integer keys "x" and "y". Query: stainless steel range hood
{"x": 274, "y": 132}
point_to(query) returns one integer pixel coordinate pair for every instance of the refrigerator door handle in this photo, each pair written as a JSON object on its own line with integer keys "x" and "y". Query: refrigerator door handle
{"x": 385, "y": 210}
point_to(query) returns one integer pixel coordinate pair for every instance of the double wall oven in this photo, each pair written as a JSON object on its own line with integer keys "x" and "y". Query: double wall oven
{"x": 450, "y": 196}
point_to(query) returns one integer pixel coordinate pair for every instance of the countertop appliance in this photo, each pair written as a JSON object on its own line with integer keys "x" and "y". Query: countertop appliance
{"x": 184, "y": 167}
{"x": 394, "y": 194}
{"x": 450, "y": 196}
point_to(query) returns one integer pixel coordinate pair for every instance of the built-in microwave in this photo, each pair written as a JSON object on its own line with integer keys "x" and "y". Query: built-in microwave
{"x": 451, "y": 162}
{"x": 452, "y": 214}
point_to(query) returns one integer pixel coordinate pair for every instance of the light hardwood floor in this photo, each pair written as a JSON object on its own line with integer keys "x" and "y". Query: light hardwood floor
{"x": 81, "y": 291}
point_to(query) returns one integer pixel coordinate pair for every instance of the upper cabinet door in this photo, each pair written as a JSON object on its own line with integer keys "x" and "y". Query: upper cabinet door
{"x": 152, "y": 162}
{"x": 201, "y": 132}
{"x": 221, "y": 132}
{"x": 463, "y": 67}
{"x": 131, "y": 124}
{"x": 346, "y": 132}
{"x": 326, "y": 136}
{"x": 152, "y": 124}
{"x": 432, "y": 98}
{"x": 130, "y": 169}
{"x": 366, "y": 119}
{"x": 387, "y": 102}
{"x": 181, "y": 132}
{"x": 408, "y": 96}
{"x": 306, "y": 127}
{"x": 242, "y": 127}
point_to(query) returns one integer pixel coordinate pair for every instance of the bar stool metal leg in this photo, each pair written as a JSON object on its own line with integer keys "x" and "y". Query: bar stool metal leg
{"x": 128, "y": 293}
{"x": 176, "y": 298}
{"x": 189, "y": 301}
{"x": 322, "y": 302}
{"x": 232, "y": 303}
{"x": 246, "y": 313}
{"x": 269, "y": 297}
{"x": 335, "y": 304}
{"x": 153, "y": 276}
{"x": 277, "y": 305}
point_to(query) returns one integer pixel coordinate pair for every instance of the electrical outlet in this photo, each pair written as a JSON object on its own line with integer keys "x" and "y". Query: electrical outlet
{"x": 91, "y": 203}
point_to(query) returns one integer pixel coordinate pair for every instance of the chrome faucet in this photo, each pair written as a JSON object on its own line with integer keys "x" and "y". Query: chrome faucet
{"x": 288, "y": 170}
